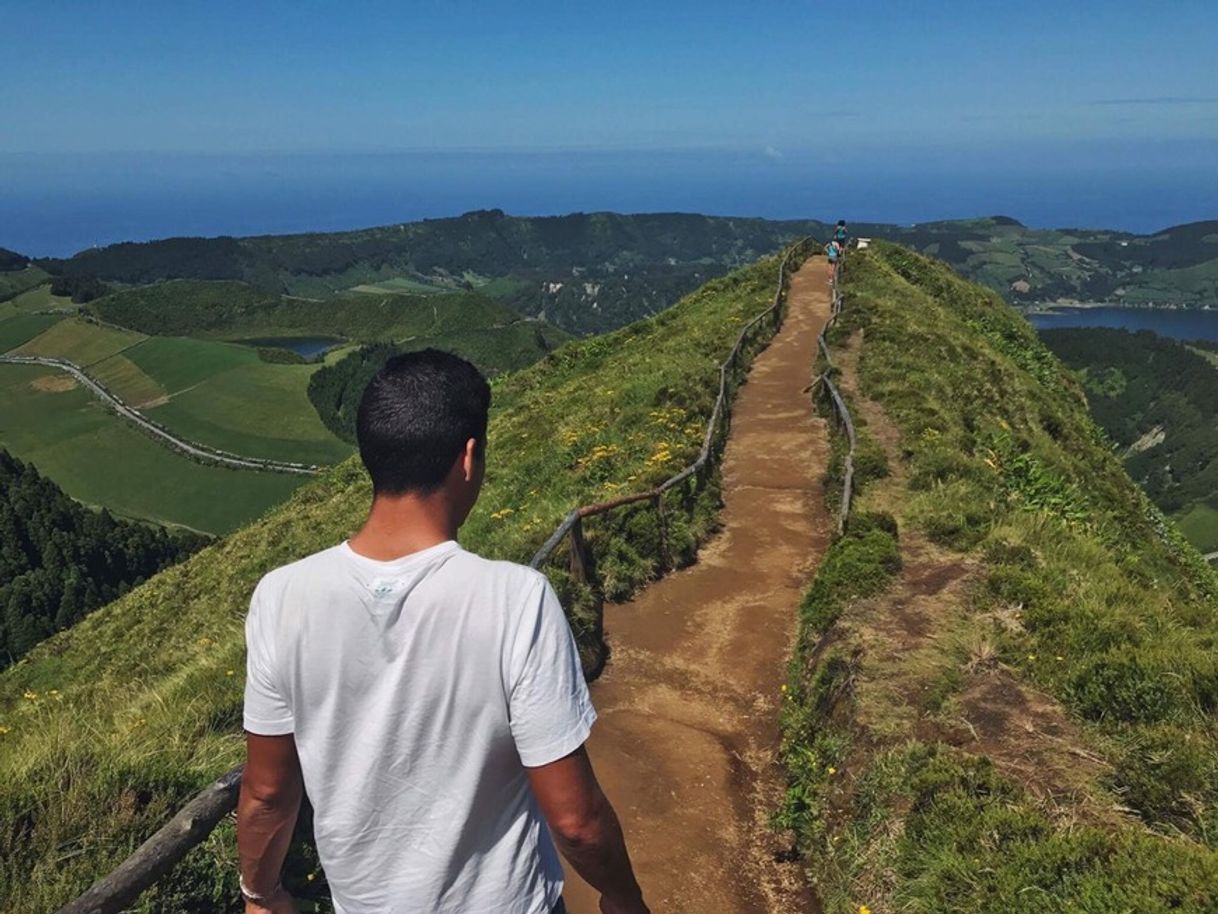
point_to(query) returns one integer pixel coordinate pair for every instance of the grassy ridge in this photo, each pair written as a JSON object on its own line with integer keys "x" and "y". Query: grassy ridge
{"x": 232, "y": 310}
{"x": 147, "y": 693}
{"x": 1071, "y": 595}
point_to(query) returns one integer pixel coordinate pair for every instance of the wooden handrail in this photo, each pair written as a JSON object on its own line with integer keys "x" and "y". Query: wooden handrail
{"x": 825, "y": 380}
{"x": 157, "y": 856}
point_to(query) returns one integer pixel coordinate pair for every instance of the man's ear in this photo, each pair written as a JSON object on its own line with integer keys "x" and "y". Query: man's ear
{"x": 469, "y": 460}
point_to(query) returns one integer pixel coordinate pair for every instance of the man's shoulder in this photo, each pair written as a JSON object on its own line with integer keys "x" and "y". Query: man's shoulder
{"x": 317, "y": 563}
{"x": 510, "y": 574}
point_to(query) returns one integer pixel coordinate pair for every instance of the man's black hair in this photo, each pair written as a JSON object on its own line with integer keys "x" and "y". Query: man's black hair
{"x": 415, "y": 417}
{"x": 841, "y": 222}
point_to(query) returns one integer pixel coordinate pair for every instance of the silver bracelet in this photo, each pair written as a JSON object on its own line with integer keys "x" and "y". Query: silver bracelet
{"x": 254, "y": 896}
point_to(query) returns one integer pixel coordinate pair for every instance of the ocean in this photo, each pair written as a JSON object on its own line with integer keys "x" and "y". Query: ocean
{"x": 55, "y": 205}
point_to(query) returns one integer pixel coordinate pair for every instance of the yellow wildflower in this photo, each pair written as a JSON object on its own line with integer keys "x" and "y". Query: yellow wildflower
{"x": 4, "y": 730}
{"x": 863, "y": 909}
{"x": 31, "y": 696}
{"x": 228, "y": 673}
{"x": 832, "y": 771}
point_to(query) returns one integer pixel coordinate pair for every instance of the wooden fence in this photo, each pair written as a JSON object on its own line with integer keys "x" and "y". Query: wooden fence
{"x": 192, "y": 824}
{"x": 825, "y": 381}
{"x": 731, "y": 371}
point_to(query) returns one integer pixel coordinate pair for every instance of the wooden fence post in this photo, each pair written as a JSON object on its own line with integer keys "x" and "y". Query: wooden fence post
{"x": 662, "y": 522}
{"x": 579, "y": 553}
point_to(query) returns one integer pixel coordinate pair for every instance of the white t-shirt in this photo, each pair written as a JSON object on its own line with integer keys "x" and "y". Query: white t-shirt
{"x": 418, "y": 690}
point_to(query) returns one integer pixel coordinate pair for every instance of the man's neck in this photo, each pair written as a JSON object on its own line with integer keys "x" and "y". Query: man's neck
{"x": 398, "y": 526}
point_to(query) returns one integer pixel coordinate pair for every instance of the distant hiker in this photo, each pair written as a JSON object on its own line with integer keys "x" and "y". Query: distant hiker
{"x": 431, "y": 701}
{"x": 841, "y": 235}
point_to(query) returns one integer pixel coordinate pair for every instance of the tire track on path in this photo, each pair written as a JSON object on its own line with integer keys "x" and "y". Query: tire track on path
{"x": 688, "y": 731}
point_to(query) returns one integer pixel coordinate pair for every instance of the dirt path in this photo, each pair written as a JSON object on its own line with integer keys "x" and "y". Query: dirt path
{"x": 688, "y": 706}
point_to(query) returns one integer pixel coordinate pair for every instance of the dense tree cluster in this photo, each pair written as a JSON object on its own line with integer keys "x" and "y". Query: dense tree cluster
{"x": 59, "y": 560}
{"x": 1138, "y": 383}
{"x": 149, "y": 261}
{"x": 80, "y": 289}
{"x": 335, "y": 390}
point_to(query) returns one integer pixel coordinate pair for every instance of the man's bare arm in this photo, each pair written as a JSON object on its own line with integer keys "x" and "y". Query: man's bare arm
{"x": 271, "y": 790}
{"x": 587, "y": 830}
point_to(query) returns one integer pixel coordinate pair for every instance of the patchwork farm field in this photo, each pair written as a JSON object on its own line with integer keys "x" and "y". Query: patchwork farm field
{"x": 81, "y": 342}
{"x": 47, "y": 419}
{"x": 215, "y": 393}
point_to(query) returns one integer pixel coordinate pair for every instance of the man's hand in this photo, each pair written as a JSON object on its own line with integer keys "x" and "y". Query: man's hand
{"x": 280, "y": 903}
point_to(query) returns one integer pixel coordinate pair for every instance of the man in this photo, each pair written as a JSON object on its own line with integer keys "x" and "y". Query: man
{"x": 841, "y": 235}
{"x": 431, "y": 702}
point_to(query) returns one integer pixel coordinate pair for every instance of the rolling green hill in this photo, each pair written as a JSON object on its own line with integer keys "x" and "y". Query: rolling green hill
{"x": 1004, "y": 690}
{"x": 155, "y": 679}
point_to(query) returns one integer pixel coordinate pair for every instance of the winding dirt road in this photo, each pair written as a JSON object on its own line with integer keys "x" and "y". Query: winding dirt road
{"x": 202, "y": 452}
{"x": 688, "y": 728}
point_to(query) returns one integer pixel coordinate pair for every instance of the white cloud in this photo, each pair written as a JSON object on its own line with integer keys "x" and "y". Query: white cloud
{"x": 771, "y": 153}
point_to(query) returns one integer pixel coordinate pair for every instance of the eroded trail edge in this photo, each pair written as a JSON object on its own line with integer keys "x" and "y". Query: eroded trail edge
{"x": 688, "y": 732}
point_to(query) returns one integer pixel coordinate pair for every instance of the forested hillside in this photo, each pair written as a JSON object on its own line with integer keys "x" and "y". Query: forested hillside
{"x": 586, "y": 273}
{"x": 60, "y": 560}
{"x": 1158, "y": 400}
{"x": 149, "y": 688}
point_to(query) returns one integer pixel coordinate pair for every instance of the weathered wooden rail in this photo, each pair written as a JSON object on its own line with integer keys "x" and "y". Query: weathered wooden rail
{"x": 192, "y": 824}
{"x": 840, "y": 410}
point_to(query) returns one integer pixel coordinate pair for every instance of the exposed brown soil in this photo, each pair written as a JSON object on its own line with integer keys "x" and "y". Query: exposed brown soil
{"x": 688, "y": 732}
{"x": 53, "y": 383}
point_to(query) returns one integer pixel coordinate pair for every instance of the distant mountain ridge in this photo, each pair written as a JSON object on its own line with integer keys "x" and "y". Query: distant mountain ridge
{"x": 592, "y": 272}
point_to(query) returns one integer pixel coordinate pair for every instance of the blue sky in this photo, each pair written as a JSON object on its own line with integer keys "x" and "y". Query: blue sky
{"x": 133, "y": 119}
{"x": 242, "y": 77}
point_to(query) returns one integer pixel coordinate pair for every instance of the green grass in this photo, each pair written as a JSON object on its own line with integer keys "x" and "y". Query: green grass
{"x": 397, "y": 284}
{"x": 21, "y": 328}
{"x": 1081, "y": 591}
{"x": 102, "y": 460}
{"x": 13, "y": 283}
{"x": 258, "y": 409}
{"x": 80, "y": 341}
{"x": 180, "y": 363}
{"x": 1200, "y": 525}
{"x": 40, "y": 299}
{"x": 146, "y": 712}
